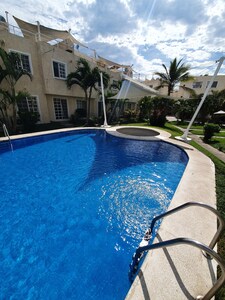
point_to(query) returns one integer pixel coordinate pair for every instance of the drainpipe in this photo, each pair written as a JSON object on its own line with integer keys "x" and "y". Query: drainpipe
{"x": 39, "y": 31}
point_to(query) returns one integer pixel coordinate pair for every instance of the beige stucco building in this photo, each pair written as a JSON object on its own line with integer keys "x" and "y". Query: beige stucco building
{"x": 50, "y": 61}
{"x": 199, "y": 85}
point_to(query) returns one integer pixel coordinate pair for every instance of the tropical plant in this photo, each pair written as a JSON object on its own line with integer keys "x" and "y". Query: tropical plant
{"x": 28, "y": 117}
{"x": 160, "y": 108}
{"x": 212, "y": 103}
{"x": 10, "y": 72}
{"x": 155, "y": 109}
{"x": 177, "y": 72}
{"x": 184, "y": 109}
{"x": 116, "y": 85}
{"x": 5, "y": 102}
{"x": 145, "y": 105}
{"x": 210, "y": 130}
{"x": 87, "y": 79}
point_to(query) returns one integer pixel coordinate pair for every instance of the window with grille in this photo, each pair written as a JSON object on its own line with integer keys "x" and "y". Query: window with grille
{"x": 130, "y": 105}
{"x": 197, "y": 85}
{"x": 29, "y": 104}
{"x": 24, "y": 62}
{"x": 60, "y": 107}
{"x": 59, "y": 70}
{"x": 81, "y": 104}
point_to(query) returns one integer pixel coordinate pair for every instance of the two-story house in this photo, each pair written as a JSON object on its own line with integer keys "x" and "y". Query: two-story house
{"x": 50, "y": 55}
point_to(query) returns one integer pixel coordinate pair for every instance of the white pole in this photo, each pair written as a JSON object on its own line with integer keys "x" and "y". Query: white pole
{"x": 103, "y": 102}
{"x": 7, "y": 20}
{"x": 184, "y": 136}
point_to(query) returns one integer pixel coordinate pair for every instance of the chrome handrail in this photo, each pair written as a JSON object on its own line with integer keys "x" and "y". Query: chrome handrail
{"x": 196, "y": 244}
{"x": 6, "y": 133}
{"x": 192, "y": 203}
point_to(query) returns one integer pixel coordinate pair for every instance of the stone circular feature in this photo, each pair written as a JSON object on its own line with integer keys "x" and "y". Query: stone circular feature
{"x": 137, "y": 131}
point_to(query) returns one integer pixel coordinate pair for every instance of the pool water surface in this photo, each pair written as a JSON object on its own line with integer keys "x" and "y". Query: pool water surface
{"x": 73, "y": 208}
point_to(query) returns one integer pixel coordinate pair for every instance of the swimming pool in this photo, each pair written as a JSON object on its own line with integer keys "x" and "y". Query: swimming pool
{"x": 73, "y": 208}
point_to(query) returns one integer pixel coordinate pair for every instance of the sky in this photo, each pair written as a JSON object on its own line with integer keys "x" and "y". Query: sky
{"x": 141, "y": 33}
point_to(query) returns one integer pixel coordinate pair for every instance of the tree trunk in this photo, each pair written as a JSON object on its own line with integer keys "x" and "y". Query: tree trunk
{"x": 88, "y": 106}
{"x": 14, "y": 111}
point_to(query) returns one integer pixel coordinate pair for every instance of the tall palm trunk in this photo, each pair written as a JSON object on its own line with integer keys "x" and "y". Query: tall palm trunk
{"x": 14, "y": 108}
{"x": 89, "y": 106}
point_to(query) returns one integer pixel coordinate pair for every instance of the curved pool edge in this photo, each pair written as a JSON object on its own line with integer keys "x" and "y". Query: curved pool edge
{"x": 38, "y": 133}
{"x": 173, "y": 271}
{"x": 182, "y": 272}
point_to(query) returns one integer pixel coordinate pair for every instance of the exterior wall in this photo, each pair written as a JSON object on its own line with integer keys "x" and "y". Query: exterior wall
{"x": 44, "y": 85}
{"x": 199, "y": 84}
{"x": 154, "y": 83}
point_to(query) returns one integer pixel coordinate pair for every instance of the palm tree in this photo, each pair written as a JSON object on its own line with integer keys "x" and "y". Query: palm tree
{"x": 177, "y": 72}
{"x": 87, "y": 79}
{"x": 11, "y": 72}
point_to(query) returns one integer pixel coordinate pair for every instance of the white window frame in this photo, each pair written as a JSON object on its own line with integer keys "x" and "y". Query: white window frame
{"x": 130, "y": 105}
{"x": 60, "y": 98}
{"x": 197, "y": 84}
{"x": 59, "y": 63}
{"x": 29, "y": 59}
{"x": 83, "y": 104}
{"x": 36, "y": 98}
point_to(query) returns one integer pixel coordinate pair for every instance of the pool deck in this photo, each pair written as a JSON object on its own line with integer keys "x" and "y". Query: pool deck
{"x": 179, "y": 272}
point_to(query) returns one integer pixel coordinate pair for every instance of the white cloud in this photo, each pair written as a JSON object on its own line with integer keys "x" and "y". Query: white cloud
{"x": 126, "y": 4}
{"x": 142, "y": 33}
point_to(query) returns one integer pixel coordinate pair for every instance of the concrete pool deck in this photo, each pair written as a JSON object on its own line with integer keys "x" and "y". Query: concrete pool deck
{"x": 179, "y": 272}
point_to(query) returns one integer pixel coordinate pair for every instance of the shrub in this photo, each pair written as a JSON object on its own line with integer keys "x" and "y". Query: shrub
{"x": 210, "y": 130}
{"x": 157, "y": 120}
{"x": 129, "y": 116}
{"x": 28, "y": 120}
{"x": 79, "y": 117}
{"x": 161, "y": 107}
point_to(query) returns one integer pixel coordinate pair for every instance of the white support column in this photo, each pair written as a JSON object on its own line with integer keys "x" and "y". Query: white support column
{"x": 184, "y": 137}
{"x": 103, "y": 102}
{"x": 7, "y": 19}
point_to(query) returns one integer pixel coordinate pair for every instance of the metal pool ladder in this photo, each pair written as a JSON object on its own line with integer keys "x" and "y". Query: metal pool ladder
{"x": 6, "y": 133}
{"x": 208, "y": 251}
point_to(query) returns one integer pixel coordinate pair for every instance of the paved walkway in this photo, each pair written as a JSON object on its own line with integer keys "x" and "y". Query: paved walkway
{"x": 211, "y": 149}
{"x": 217, "y": 153}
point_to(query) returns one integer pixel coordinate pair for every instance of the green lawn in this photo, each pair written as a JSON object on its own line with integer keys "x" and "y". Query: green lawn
{"x": 218, "y": 143}
{"x": 218, "y": 140}
{"x": 200, "y": 132}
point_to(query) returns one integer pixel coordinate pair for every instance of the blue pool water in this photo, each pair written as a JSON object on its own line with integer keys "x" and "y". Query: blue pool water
{"x": 73, "y": 208}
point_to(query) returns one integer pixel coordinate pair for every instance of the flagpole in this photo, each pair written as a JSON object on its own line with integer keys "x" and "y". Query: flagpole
{"x": 184, "y": 137}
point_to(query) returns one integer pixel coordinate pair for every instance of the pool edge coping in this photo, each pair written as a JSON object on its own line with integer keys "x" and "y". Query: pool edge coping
{"x": 197, "y": 184}
{"x": 199, "y": 169}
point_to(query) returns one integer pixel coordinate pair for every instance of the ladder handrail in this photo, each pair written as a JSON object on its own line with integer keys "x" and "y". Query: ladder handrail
{"x": 6, "y": 133}
{"x": 192, "y": 203}
{"x": 5, "y": 130}
{"x": 203, "y": 247}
